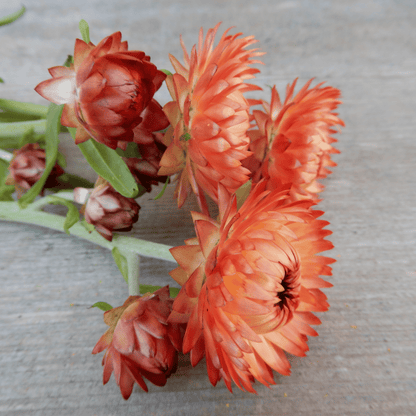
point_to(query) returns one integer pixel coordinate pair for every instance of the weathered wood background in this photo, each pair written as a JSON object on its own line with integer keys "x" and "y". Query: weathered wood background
{"x": 364, "y": 361}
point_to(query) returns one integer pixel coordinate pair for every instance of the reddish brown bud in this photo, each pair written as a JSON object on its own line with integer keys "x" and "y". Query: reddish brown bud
{"x": 27, "y": 167}
{"x": 140, "y": 342}
{"x": 109, "y": 211}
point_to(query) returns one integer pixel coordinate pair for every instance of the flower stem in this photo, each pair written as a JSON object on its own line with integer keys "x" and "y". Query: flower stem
{"x": 29, "y": 109}
{"x": 133, "y": 261}
{"x": 10, "y": 211}
{"x": 21, "y": 127}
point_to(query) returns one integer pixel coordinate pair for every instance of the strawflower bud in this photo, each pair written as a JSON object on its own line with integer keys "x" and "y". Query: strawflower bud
{"x": 108, "y": 93}
{"x": 27, "y": 167}
{"x": 145, "y": 169}
{"x": 109, "y": 211}
{"x": 140, "y": 342}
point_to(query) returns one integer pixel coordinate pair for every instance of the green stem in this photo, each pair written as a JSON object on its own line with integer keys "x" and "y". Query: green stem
{"x": 10, "y": 211}
{"x": 19, "y": 128}
{"x": 133, "y": 261}
{"x": 29, "y": 109}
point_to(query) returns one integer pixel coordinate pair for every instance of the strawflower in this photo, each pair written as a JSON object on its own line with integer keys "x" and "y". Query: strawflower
{"x": 140, "y": 342}
{"x": 108, "y": 93}
{"x": 209, "y": 116}
{"x": 27, "y": 167}
{"x": 293, "y": 142}
{"x": 107, "y": 210}
{"x": 250, "y": 284}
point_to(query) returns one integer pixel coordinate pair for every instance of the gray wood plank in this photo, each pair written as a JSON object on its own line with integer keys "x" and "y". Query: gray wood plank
{"x": 363, "y": 362}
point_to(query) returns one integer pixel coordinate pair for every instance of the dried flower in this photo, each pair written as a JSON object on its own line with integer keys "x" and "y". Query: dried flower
{"x": 249, "y": 285}
{"x": 209, "y": 116}
{"x": 140, "y": 342}
{"x": 145, "y": 169}
{"x": 27, "y": 167}
{"x": 109, "y": 211}
{"x": 293, "y": 143}
{"x": 108, "y": 93}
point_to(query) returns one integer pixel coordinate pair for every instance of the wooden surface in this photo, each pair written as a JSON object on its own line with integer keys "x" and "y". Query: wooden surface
{"x": 364, "y": 360}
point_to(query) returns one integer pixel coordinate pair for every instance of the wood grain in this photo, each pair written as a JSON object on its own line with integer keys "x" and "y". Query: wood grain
{"x": 363, "y": 362}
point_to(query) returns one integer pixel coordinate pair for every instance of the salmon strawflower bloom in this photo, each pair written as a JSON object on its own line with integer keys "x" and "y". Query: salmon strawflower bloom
{"x": 250, "y": 285}
{"x": 293, "y": 143}
{"x": 140, "y": 342}
{"x": 209, "y": 116}
{"x": 108, "y": 93}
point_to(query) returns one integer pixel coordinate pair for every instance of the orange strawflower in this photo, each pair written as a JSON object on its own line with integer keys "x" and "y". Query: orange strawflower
{"x": 209, "y": 116}
{"x": 293, "y": 143}
{"x": 250, "y": 285}
{"x": 140, "y": 342}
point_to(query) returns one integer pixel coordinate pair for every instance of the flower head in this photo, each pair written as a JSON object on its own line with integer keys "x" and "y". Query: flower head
{"x": 209, "y": 116}
{"x": 27, "y": 167}
{"x": 108, "y": 210}
{"x": 140, "y": 342}
{"x": 249, "y": 285}
{"x": 145, "y": 169}
{"x": 108, "y": 93}
{"x": 293, "y": 143}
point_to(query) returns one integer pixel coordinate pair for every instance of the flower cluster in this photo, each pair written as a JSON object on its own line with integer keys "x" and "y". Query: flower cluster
{"x": 251, "y": 278}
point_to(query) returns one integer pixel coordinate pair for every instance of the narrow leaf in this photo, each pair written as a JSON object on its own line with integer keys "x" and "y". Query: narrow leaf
{"x": 72, "y": 216}
{"x": 89, "y": 227}
{"x": 242, "y": 193}
{"x": 165, "y": 71}
{"x": 4, "y": 170}
{"x": 173, "y": 291}
{"x": 12, "y": 17}
{"x": 69, "y": 61}
{"x": 104, "y": 306}
{"x": 109, "y": 165}
{"x": 6, "y": 192}
{"x": 163, "y": 189}
{"x": 69, "y": 181}
{"x": 121, "y": 262}
{"x": 52, "y": 140}
{"x": 85, "y": 31}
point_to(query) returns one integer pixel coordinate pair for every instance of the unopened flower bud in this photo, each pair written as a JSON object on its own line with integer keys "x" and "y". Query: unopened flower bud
{"x": 27, "y": 167}
{"x": 140, "y": 342}
{"x": 109, "y": 211}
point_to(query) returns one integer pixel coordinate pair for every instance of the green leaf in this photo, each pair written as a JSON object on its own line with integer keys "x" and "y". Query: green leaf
{"x": 60, "y": 159}
{"x": 163, "y": 189}
{"x": 242, "y": 193}
{"x": 173, "y": 291}
{"x": 69, "y": 61}
{"x": 4, "y": 171}
{"x": 132, "y": 150}
{"x": 89, "y": 227}
{"x": 53, "y": 125}
{"x": 121, "y": 262}
{"x": 109, "y": 165}
{"x": 85, "y": 31}
{"x": 72, "y": 216}
{"x": 69, "y": 181}
{"x": 1, "y": 80}
{"x": 104, "y": 306}
{"x": 6, "y": 192}
{"x": 12, "y": 17}
{"x": 165, "y": 71}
